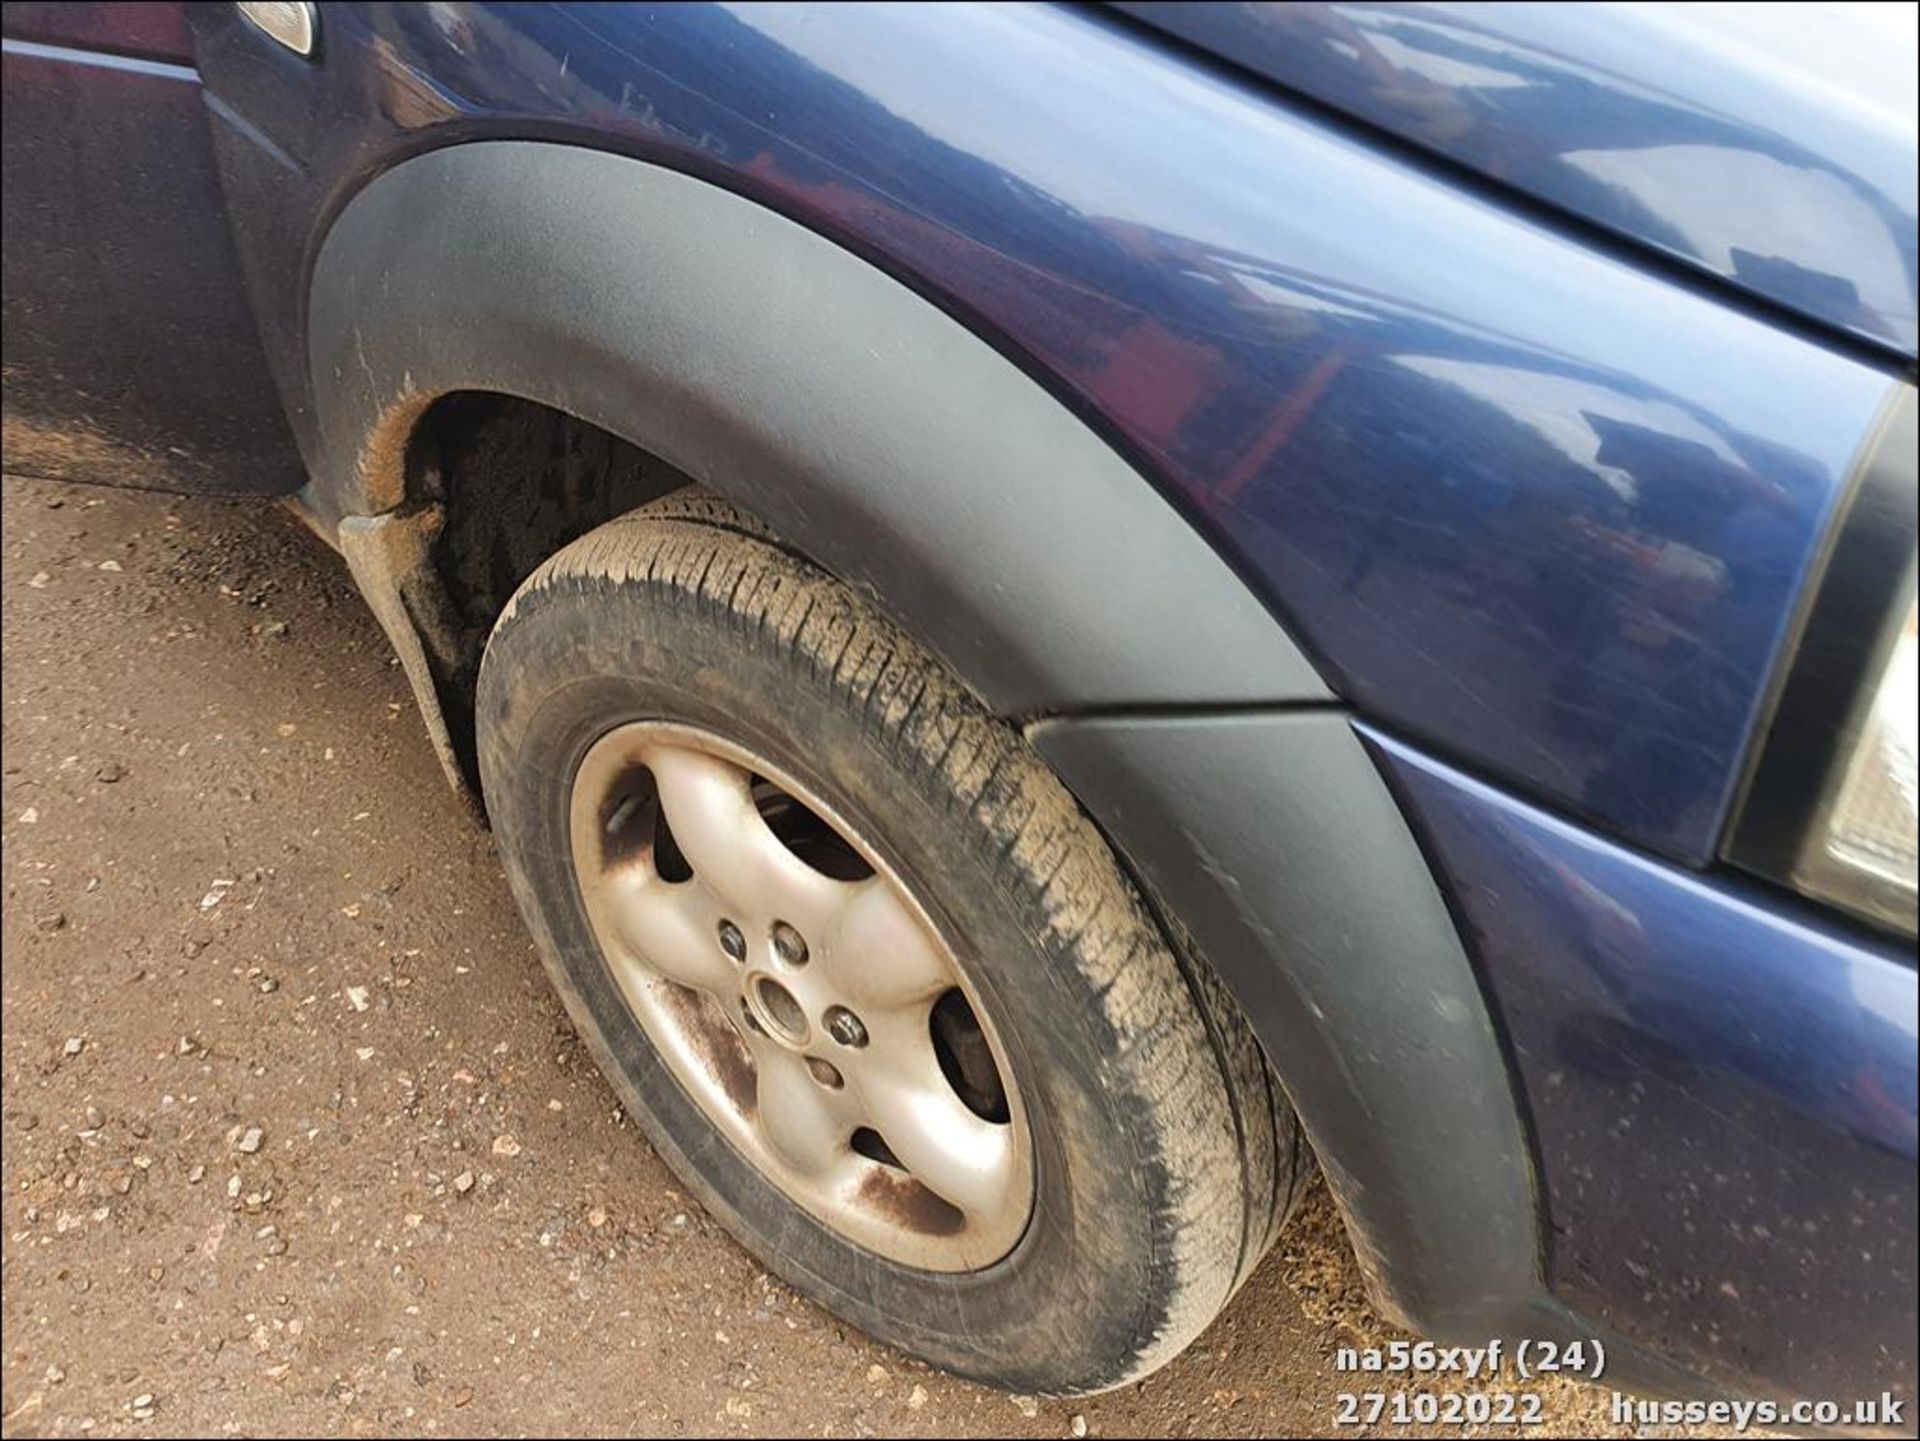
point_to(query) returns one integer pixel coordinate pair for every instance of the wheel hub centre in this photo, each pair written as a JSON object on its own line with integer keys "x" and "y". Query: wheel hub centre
{"x": 784, "y": 1018}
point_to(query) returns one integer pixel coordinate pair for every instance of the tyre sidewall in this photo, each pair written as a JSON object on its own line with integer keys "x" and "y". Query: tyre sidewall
{"x": 1077, "y": 1297}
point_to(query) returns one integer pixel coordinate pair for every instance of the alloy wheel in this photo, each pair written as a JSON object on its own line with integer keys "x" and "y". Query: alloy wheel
{"x": 801, "y": 996}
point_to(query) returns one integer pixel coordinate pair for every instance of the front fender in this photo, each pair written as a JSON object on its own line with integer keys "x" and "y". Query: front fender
{"x": 868, "y": 427}
{"x": 908, "y": 455}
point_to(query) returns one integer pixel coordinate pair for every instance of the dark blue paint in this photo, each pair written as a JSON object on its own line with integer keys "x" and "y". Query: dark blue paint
{"x": 1723, "y": 1096}
{"x": 1771, "y": 145}
{"x": 1536, "y": 508}
{"x": 137, "y": 29}
{"x": 105, "y": 62}
{"x": 1523, "y": 501}
{"x": 119, "y": 262}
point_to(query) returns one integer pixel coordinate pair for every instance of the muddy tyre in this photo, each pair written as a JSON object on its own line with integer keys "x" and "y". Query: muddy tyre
{"x": 871, "y": 982}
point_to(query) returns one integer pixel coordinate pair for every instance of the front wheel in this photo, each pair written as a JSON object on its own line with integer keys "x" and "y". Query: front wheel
{"x": 872, "y": 983}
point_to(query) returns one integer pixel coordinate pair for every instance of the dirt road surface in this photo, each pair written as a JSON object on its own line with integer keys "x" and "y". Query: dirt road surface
{"x": 296, "y": 1139}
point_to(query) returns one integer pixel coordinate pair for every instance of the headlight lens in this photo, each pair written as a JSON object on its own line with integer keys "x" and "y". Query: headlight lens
{"x": 1828, "y": 808}
{"x": 1862, "y": 854}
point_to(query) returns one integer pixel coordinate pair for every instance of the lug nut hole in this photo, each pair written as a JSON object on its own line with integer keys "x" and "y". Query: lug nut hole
{"x": 788, "y": 944}
{"x": 732, "y": 941}
{"x": 824, "y": 1072}
{"x": 844, "y": 1026}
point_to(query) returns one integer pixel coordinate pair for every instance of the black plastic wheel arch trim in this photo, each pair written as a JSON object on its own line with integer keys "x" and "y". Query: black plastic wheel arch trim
{"x": 877, "y": 434}
{"x": 869, "y": 428}
{"x": 1274, "y": 838}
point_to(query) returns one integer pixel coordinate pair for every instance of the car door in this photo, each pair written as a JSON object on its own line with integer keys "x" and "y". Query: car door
{"x": 131, "y": 356}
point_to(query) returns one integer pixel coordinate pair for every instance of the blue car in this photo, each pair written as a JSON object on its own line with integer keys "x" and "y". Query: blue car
{"x": 1062, "y": 612}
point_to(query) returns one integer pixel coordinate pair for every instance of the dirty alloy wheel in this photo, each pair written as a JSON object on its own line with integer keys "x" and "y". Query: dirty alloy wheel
{"x": 742, "y": 927}
{"x": 871, "y": 982}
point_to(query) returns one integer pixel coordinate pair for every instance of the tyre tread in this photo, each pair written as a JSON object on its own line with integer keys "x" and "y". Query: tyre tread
{"x": 1226, "y": 1160}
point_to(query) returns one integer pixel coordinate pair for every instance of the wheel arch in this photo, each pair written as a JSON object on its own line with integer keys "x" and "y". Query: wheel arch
{"x": 905, "y": 454}
{"x": 865, "y": 425}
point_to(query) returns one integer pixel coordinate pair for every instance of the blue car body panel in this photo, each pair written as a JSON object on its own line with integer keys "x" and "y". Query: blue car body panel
{"x": 1768, "y": 145}
{"x": 1723, "y": 1096}
{"x": 1432, "y": 433}
{"x": 118, "y": 259}
{"x": 1535, "y": 472}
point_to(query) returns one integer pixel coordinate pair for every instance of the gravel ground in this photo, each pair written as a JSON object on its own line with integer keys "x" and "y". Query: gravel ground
{"x": 295, "y": 1139}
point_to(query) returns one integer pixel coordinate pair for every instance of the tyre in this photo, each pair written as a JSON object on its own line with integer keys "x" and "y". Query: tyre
{"x": 872, "y": 984}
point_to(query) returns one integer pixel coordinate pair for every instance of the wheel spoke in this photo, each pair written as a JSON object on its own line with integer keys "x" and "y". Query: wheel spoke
{"x": 733, "y": 852}
{"x": 880, "y": 954}
{"x": 965, "y": 1161}
{"x": 833, "y": 987}
{"x": 800, "y": 1120}
{"x": 671, "y": 930}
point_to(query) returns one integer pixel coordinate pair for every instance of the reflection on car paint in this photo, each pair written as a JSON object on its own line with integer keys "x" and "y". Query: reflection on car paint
{"x": 1435, "y": 437}
{"x": 1702, "y": 131}
{"x": 1699, "y": 1069}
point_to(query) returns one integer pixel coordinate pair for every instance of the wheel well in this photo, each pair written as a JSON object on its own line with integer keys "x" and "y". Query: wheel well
{"x": 501, "y": 483}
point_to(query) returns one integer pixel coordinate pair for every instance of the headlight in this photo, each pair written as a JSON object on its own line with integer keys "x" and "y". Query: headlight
{"x": 1866, "y": 843}
{"x": 1830, "y": 806}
